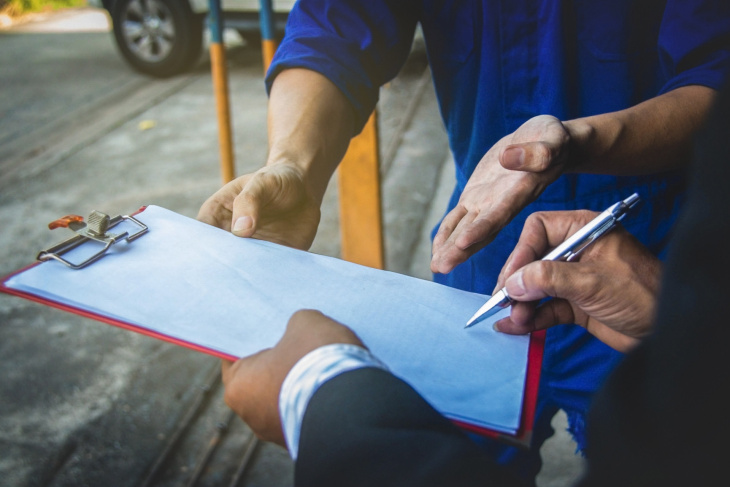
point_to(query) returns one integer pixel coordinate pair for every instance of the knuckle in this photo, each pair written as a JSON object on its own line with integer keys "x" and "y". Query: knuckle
{"x": 592, "y": 282}
{"x": 443, "y": 231}
{"x": 535, "y": 219}
{"x": 541, "y": 275}
{"x": 229, "y": 397}
{"x": 544, "y": 154}
{"x": 301, "y": 317}
{"x": 584, "y": 216}
{"x": 296, "y": 319}
{"x": 246, "y": 198}
{"x": 555, "y": 313}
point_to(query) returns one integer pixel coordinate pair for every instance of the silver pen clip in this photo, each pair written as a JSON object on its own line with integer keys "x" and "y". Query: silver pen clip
{"x": 618, "y": 212}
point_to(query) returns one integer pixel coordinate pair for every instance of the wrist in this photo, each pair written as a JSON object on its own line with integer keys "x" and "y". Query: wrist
{"x": 584, "y": 144}
{"x": 308, "y": 374}
{"x": 314, "y": 184}
{"x": 310, "y": 123}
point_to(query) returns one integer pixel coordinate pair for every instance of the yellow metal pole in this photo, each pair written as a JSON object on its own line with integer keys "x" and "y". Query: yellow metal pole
{"x": 268, "y": 49}
{"x": 220, "y": 89}
{"x": 268, "y": 32}
{"x": 358, "y": 181}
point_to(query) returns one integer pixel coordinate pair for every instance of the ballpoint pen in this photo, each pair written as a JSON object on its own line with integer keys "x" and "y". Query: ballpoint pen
{"x": 567, "y": 251}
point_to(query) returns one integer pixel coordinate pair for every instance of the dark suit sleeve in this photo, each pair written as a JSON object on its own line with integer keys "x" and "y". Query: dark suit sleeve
{"x": 662, "y": 418}
{"x": 367, "y": 427}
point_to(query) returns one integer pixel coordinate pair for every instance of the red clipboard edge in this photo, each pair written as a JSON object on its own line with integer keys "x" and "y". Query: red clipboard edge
{"x": 532, "y": 380}
{"x": 104, "y": 319}
{"x": 523, "y": 437}
{"x": 109, "y": 321}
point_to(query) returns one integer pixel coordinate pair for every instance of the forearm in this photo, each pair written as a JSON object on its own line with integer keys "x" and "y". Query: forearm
{"x": 310, "y": 124}
{"x": 653, "y": 136}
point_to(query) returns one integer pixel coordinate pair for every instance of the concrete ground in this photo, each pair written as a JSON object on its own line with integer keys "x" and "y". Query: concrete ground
{"x": 83, "y": 403}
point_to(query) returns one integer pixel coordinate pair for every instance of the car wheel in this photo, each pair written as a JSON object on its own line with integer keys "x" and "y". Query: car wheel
{"x": 157, "y": 37}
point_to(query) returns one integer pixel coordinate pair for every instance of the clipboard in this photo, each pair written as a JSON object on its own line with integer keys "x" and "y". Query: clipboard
{"x": 176, "y": 279}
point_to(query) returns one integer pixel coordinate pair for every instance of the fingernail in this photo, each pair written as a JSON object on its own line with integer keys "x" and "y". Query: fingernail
{"x": 515, "y": 157}
{"x": 515, "y": 284}
{"x": 243, "y": 223}
{"x": 495, "y": 326}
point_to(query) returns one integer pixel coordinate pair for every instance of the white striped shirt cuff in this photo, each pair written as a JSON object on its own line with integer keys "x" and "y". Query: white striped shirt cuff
{"x": 307, "y": 375}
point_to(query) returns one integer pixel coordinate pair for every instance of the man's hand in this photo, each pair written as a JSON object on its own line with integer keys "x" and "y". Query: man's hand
{"x": 611, "y": 291}
{"x": 310, "y": 123}
{"x": 653, "y": 136}
{"x": 271, "y": 204}
{"x": 512, "y": 174}
{"x": 252, "y": 384}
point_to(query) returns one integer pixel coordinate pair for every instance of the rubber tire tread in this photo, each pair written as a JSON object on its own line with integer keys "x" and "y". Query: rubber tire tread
{"x": 185, "y": 52}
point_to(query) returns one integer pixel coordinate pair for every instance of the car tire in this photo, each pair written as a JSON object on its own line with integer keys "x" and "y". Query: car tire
{"x": 157, "y": 37}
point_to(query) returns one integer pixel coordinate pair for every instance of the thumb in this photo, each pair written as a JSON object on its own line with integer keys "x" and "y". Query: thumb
{"x": 530, "y": 156}
{"x": 247, "y": 205}
{"x": 542, "y": 279}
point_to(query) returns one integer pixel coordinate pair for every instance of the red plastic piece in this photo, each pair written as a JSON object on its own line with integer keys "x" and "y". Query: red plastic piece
{"x": 65, "y": 221}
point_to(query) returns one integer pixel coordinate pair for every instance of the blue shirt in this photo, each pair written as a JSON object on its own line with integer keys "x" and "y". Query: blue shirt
{"x": 496, "y": 64}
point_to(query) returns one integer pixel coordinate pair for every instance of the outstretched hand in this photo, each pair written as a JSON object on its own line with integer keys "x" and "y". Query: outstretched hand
{"x": 512, "y": 174}
{"x": 271, "y": 204}
{"x": 252, "y": 384}
{"x": 611, "y": 290}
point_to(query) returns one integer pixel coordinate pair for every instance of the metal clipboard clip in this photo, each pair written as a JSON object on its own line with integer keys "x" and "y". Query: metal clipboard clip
{"x": 93, "y": 230}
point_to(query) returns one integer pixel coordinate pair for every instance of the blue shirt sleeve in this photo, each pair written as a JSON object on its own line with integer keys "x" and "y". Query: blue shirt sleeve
{"x": 358, "y": 45}
{"x": 694, "y": 43}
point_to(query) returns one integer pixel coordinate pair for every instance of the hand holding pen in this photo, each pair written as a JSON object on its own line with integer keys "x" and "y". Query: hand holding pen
{"x": 611, "y": 291}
